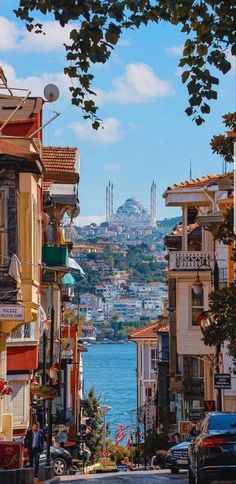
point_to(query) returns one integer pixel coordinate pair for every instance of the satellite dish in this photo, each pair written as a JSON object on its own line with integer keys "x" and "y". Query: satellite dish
{"x": 51, "y": 93}
{"x": 67, "y": 344}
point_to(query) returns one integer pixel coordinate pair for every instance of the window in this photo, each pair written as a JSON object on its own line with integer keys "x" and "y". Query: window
{"x": 3, "y": 229}
{"x": 148, "y": 392}
{"x": 165, "y": 347}
{"x": 197, "y": 367}
{"x": 153, "y": 359}
{"x": 197, "y": 305}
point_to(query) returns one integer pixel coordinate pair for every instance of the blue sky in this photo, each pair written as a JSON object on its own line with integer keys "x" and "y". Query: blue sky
{"x": 146, "y": 133}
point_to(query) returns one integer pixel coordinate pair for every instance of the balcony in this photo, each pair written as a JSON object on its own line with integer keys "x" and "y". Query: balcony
{"x": 190, "y": 261}
{"x": 27, "y": 333}
{"x": 55, "y": 256}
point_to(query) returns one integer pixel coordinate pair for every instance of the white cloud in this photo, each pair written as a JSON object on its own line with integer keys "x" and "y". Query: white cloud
{"x": 175, "y": 50}
{"x": 8, "y": 34}
{"x": 110, "y": 132}
{"x": 54, "y": 37}
{"x": 89, "y": 219}
{"x": 139, "y": 84}
{"x": 36, "y": 84}
{"x": 19, "y": 39}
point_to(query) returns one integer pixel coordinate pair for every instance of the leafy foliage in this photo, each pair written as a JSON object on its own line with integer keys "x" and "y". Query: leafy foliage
{"x": 94, "y": 438}
{"x": 222, "y": 308}
{"x": 222, "y": 144}
{"x": 209, "y": 27}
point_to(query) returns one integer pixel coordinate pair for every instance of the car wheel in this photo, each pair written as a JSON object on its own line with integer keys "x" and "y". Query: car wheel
{"x": 191, "y": 478}
{"x": 59, "y": 466}
{"x": 174, "y": 471}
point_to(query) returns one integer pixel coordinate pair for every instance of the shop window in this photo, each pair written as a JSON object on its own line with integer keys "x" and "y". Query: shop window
{"x": 3, "y": 229}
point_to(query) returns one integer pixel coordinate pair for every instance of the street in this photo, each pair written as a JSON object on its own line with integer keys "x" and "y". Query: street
{"x": 140, "y": 477}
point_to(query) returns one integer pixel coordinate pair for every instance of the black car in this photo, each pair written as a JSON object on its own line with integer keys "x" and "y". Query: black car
{"x": 61, "y": 458}
{"x": 212, "y": 455}
{"x": 177, "y": 457}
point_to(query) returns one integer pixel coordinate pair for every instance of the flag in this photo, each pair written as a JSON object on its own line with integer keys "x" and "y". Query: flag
{"x": 120, "y": 437}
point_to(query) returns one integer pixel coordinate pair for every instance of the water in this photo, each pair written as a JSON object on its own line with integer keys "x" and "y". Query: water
{"x": 110, "y": 368}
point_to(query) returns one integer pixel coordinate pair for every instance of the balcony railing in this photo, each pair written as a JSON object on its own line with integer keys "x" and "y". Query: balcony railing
{"x": 27, "y": 332}
{"x": 190, "y": 261}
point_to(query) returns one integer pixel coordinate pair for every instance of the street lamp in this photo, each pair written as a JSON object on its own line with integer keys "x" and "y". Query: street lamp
{"x": 206, "y": 320}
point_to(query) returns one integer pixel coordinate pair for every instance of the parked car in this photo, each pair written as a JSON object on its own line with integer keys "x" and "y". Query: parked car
{"x": 212, "y": 454}
{"x": 61, "y": 458}
{"x": 177, "y": 457}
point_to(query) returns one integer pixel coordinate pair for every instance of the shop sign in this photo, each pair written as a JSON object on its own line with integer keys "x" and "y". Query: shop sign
{"x": 184, "y": 427}
{"x": 11, "y": 455}
{"x": 222, "y": 381}
{"x": 12, "y": 312}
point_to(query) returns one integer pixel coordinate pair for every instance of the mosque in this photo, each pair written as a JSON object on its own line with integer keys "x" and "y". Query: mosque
{"x": 132, "y": 214}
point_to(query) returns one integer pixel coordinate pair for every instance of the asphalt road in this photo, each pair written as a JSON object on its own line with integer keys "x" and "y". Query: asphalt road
{"x": 141, "y": 477}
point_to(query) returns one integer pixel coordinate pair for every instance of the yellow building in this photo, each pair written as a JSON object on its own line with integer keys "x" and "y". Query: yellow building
{"x": 21, "y": 246}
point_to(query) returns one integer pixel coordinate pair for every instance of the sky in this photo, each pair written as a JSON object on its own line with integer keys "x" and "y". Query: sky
{"x": 147, "y": 135}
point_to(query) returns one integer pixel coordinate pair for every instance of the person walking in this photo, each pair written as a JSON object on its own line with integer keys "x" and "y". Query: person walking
{"x": 33, "y": 442}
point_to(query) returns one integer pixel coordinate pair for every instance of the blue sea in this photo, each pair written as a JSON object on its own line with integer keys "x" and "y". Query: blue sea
{"x": 111, "y": 369}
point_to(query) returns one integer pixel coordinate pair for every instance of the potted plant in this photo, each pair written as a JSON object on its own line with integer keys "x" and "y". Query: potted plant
{"x": 34, "y": 387}
{"x": 5, "y": 388}
{"x": 47, "y": 392}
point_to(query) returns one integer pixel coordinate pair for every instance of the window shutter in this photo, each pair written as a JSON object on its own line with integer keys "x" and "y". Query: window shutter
{"x": 20, "y": 402}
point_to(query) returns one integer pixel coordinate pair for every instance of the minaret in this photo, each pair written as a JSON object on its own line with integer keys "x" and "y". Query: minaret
{"x": 153, "y": 210}
{"x": 112, "y": 210}
{"x": 109, "y": 201}
{"x": 107, "y": 204}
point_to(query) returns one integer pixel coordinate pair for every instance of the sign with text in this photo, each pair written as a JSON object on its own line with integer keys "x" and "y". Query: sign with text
{"x": 12, "y": 312}
{"x": 222, "y": 381}
{"x": 184, "y": 427}
{"x": 11, "y": 455}
{"x": 195, "y": 415}
{"x": 209, "y": 405}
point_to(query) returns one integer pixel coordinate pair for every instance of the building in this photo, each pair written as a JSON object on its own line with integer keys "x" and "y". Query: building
{"x": 193, "y": 255}
{"x": 152, "y": 350}
{"x": 21, "y": 247}
{"x": 131, "y": 215}
{"x": 60, "y": 198}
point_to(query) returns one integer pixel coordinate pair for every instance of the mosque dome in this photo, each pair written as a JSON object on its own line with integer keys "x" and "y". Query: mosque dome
{"x": 131, "y": 208}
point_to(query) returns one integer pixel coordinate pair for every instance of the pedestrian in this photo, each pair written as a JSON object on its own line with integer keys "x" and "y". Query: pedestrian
{"x": 33, "y": 442}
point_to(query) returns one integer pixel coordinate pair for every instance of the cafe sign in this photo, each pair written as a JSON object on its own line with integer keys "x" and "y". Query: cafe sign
{"x": 12, "y": 312}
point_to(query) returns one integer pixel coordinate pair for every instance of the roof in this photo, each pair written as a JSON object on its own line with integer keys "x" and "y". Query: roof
{"x": 31, "y": 106}
{"x": 150, "y": 331}
{"x": 197, "y": 182}
{"x": 60, "y": 163}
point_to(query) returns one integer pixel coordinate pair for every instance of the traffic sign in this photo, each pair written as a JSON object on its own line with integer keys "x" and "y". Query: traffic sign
{"x": 222, "y": 381}
{"x": 104, "y": 454}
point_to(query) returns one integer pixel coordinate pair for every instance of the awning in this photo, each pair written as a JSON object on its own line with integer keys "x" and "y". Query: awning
{"x": 75, "y": 267}
{"x": 68, "y": 280}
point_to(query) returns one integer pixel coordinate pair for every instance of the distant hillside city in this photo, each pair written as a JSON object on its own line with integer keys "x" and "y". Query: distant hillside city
{"x": 124, "y": 260}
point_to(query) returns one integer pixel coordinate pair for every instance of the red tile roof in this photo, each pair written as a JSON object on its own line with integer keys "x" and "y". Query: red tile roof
{"x": 150, "y": 331}
{"x": 197, "y": 182}
{"x": 60, "y": 164}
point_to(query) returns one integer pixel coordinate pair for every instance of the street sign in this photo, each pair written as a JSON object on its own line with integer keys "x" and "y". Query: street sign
{"x": 209, "y": 405}
{"x": 12, "y": 312}
{"x": 222, "y": 381}
{"x": 104, "y": 454}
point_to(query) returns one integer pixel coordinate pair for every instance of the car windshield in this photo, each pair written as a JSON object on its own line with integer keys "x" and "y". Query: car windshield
{"x": 222, "y": 422}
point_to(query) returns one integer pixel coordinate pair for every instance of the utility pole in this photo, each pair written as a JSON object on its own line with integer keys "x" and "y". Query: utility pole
{"x": 49, "y": 426}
